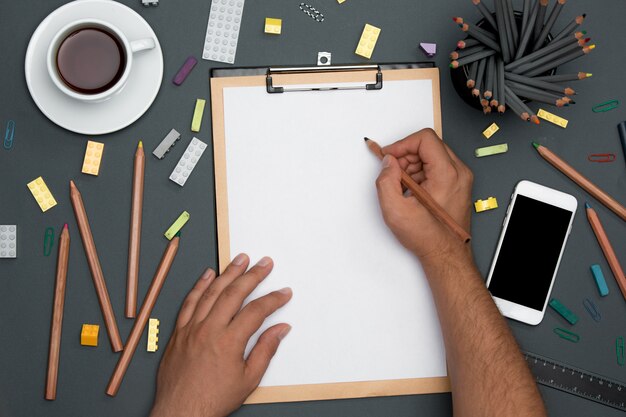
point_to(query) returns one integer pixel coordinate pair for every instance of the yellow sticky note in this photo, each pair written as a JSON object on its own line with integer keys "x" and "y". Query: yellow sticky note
{"x": 42, "y": 194}
{"x": 366, "y": 45}
{"x": 93, "y": 157}
{"x": 491, "y": 130}
{"x": 197, "y": 115}
{"x": 552, "y": 118}
{"x": 273, "y": 25}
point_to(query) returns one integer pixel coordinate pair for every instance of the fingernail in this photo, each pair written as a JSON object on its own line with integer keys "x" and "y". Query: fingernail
{"x": 286, "y": 291}
{"x": 265, "y": 261}
{"x": 284, "y": 332}
{"x": 208, "y": 274}
{"x": 239, "y": 259}
{"x": 386, "y": 161}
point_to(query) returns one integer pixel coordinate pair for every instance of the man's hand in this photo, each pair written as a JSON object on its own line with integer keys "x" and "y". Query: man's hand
{"x": 441, "y": 173}
{"x": 203, "y": 371}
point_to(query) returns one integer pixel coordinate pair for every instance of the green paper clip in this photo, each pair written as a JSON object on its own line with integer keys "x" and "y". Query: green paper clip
{"x": 567, "y": 335}
{"x": 619, "y": 350}
{"x": 606, "y": 106}
{"x": 177, "y": 225}
{"x": 563, "y": 311}
{"x": 48, "y": 241}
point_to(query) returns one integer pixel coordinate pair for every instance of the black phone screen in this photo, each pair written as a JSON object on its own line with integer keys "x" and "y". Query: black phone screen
{"x": 529, "y": 253}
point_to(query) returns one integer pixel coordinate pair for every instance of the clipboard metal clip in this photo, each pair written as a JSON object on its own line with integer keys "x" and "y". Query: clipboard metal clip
{"x": 271, "y": 89}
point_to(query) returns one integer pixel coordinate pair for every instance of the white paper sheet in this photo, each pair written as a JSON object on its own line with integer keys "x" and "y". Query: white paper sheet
{"x": 301, "y": 189}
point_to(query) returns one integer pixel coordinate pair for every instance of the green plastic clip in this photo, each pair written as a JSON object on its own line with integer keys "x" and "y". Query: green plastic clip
{"x": 606, "y": 106}
{"x": 563, "y": 311}
{"x": 619, "y": 350}
{"x": 48, "y": 241}
{"x": 567, "y": 335}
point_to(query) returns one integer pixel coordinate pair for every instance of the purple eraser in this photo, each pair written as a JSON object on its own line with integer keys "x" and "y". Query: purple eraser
{"x": 184, "y": 71}
{"x": 430, "y": 49}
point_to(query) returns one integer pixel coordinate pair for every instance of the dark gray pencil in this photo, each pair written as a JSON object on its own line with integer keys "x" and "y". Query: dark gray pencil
{"x": 490, "y": 74}
{"x": 475, "y": 28}
{"x": 564, "y": 77}
{"x": 502, "y": 33}
{"x": 494, "y": 95}
{"x": 467, "y": 51}
{"x": 525, "y": 16}
{"x": 509, "y": 29}
{"x": 549, "y": 24}
{"x": 486, "y": 13}
{"x": 564, "y": 50}
{"x": 482, "y": 38}
{"x": 551, "y": 47}
{"x": 570, "y": 28}
{"x": 471, "y": 58}
{"x": 467, "y": 42}
{"x": 473, "y": 70}
{"x": 534, "y": 90}
{"x": 539, "y": 97}
{"x": 482, "y": 64}
{"x": 541, "y": 15}
{"x": 526, "y": 34}
{"x": 560, "y": 61}
{"x": 516, "y": 104}
{"x": 515, "y": 98}
{"x": 501, "y": 95}
{"x": 512, "y": 23}
{"x": 543, "y": 85}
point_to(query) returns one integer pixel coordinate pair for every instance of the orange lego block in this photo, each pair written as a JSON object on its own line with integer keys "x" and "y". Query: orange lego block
{"x": 89, "y": 335}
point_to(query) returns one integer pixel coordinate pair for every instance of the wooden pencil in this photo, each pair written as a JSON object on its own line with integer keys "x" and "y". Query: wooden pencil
{"x": 95, "y": 268}
{"x": 559, "y": 61}
{"x": 490, "y": 75}
{"x": 495, "y": 94}
{"x": 502, "y": 32}
{"x": 471, "y": 78}
{"x": 571, "y": 42}
{"x": 579, "y": 179}
{"x": 134, "y": 240}
{"x": 517, "y": 109}
{"x": 541, "y": 14}
{"x": 484, "y": 39}
{"x": 607, "y": 248}
{"x": 423, "y": 197}
{"x": 482, "y": 64}
{"x": 486, "y": 13}
{"x": 526, "y": 113}
{"x": 556, "y": 10}
{"x": 536, "y": 96}
{"x": 570, "y": 28}
{"x": 56, "y": 324}
{"x": 545, "y": 85}
{"x": 466, "y": 43}
{"x": 525, "y": 16}
{"x": 572, "y": 47}
{"x": 539, "y": 91}
{"x": 467, "y": 51}
{"x": 471, "y": 58}
{"x": 512, "y": 24}
{"x": 525, "y": 37}
{"x": 143, "y": 316}
{"x": 501, "y": 90}
{"x": 558, "y": 78}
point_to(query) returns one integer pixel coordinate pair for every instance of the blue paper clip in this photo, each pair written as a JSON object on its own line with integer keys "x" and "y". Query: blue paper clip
{"x": 606, "y": 106}
{"x": 592, "y": 309}
{"x": 8, "y": 135}
{"x": 619, "y": 350}
{"x": 567, "y": 335}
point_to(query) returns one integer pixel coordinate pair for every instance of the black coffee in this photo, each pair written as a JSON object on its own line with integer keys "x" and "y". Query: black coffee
{"x": 91, "y": 60}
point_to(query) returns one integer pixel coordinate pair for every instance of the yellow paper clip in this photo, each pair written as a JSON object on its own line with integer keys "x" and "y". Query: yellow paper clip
{"x": 484, "y": 205}
{"x": 197, "y": 115}
{"x": 490, "y": 131}
{"x": 601, "y": 157}
{"x": 552, "y": 118}
{"x": 606, "y": 106}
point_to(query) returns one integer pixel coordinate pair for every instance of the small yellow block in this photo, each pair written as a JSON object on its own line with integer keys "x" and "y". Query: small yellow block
{"x": 484, "y": 205}
{"x": 340, "y": 1}
{"x": 93, "y": 156}
{"x": 196, "y": 122}
{"x": 552, "y": 118}
{"x": 42, "y": 194}
{"x": 273, "y": 25}
{"x": 489, "y": 132}
{"x": 366, "y": 45}
{"x": 89, "y": 335}
{"x": 153, "y": 338}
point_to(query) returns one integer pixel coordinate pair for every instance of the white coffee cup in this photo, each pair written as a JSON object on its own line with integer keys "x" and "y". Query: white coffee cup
{"x": 129, "y": 48}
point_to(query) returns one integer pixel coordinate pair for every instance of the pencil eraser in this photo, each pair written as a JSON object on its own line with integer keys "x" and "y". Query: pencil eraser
{"x": 598, "y": 276}
{"x": 185, "y": 70}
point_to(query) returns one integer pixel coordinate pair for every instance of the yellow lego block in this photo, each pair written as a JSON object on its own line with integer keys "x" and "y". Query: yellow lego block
{"x": 93, "y": 156}
{"x": 484, "y": 205}
{"x": 273, "y": 25}
{"x": 89, "y": 335}
{"x": 196, "y": 122}
{"x": 42, "y": 194}
{"x": 552, "y": 118}
{"x": 153, "y": 338}
{"x": 491, "y": 130}
{"x": 366, "y": 45}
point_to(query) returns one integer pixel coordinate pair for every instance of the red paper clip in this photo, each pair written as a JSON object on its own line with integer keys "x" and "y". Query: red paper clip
{"x": 601, "y": 157}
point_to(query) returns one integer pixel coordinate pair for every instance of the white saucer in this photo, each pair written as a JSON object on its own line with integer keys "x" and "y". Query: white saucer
{"x": 117, "y": 112}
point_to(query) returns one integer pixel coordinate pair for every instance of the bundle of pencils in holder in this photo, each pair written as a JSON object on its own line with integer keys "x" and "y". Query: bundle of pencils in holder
{"x": 509, "y": 58}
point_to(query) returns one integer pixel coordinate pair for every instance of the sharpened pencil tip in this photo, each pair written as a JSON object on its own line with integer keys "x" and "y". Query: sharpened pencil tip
{"x": 588, "y": 74}
{"x": 140, "y": 145}
{"x": 65, "y": 226}
{"x": 72, "y": 185}
{"x": 584, "y": 14}
{"x": 366, "y": 139}
{"x": 536, "y": 145}
{"x": 587, "y": 205}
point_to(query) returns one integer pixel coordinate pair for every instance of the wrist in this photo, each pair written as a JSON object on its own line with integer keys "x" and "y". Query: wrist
{"x": 457, "y": 257}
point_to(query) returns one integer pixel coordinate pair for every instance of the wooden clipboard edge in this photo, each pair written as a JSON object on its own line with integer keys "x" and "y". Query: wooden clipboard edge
{"x": 312, "y": 392}
{"x": 219, "y": 146}
{"x": 335, "y": 391}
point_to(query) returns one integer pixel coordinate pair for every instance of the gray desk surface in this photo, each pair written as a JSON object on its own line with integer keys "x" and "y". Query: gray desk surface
{"x": 42, "y": 148}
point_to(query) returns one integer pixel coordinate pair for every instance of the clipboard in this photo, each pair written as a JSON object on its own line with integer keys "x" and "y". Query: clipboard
{"x": 298, "y": 83}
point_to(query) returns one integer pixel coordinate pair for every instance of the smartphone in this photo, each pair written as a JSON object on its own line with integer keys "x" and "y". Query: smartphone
{"x": 535, "y": 230}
